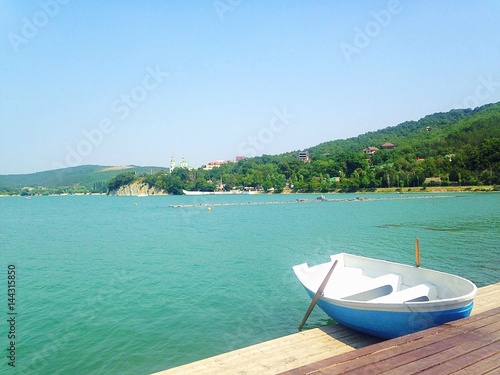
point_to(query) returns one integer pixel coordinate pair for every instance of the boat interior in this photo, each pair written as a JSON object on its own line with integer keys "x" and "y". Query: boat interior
{"x": 361, "y": 279}
{"x": 349, "y": 283}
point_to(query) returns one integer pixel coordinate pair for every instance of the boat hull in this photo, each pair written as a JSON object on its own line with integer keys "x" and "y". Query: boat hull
{"x": 389, "y": 324}
{"x": 387, "y": 299}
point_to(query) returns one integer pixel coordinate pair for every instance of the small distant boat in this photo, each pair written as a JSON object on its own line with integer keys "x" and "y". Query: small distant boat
{"x": 250, "y": 190}
{"x": 189, "y": 192}
{"x": 386, "y": 299}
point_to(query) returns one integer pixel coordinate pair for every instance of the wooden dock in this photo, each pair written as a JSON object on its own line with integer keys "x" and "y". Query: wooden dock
{"x": 466, "y": 346}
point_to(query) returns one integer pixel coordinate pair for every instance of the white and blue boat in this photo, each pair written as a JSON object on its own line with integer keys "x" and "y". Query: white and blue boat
{"x": 386, "y": 299}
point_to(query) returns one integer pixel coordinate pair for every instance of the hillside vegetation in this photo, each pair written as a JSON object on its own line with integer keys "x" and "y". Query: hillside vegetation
{"x": 457, "y": 148}
{"x": 460, "y": 147}
{"x": 81, "y": 179}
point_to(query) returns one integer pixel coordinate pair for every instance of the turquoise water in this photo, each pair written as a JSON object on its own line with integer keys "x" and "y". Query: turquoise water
{"x": 128, "y": 285}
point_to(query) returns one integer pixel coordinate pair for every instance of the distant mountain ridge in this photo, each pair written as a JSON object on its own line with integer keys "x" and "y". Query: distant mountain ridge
{"x": 90, "y": 177}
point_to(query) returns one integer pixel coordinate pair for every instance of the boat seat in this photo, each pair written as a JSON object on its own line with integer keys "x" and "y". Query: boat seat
{"x": 342, "y": 276}
{"x": 370, "y": 288}
{"x": 417, "y": 293}
{"x": 345, "y": 275}
{"x": 348, "y": 273}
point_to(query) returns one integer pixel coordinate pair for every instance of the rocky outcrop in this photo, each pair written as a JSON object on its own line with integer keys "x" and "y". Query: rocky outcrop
{"x": 137, "y": 188}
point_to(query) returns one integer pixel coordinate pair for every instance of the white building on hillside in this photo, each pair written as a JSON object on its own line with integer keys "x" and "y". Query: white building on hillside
{"x": 184, "y": 164}
{"x": 172, "y": 164}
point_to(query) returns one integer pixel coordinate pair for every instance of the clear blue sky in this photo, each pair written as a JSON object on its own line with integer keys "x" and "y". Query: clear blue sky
{"x": 136, "y": 82}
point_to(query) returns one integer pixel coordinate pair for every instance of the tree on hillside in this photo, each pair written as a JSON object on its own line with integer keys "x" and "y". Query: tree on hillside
{"x": 121, "y": 180}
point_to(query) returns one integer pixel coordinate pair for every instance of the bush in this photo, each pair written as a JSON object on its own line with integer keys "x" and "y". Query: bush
{"x": 121, "y": 180}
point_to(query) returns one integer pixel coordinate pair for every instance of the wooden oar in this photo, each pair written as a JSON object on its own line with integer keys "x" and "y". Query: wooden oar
{"x": 417, "y": 253}
{"x": 317, "y": 295}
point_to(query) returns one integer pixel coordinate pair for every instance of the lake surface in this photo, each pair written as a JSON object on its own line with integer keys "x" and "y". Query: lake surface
{"x": 130, "y": 285}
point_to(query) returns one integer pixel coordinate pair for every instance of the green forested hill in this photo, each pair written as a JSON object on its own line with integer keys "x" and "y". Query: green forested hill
{"x": 459, "y": 147}
{"x": 86, "y": 178}
{"x": 446, "y": 131}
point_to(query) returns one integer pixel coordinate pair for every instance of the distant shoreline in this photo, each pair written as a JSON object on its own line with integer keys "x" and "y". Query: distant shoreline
{"x": 428, "y": 189}
{"x": 437, "y": 189}
{"x": 418, "y": 189}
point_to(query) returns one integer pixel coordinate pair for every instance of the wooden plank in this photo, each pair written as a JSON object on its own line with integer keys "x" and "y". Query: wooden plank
{"x": 462, "y": 351}
{"x": 405, "y": 348}
{"x": 415, "y": 359}
{"x": 472, "y": 322}
{"x": 487, "y": 365}
{"x": 458, "y": 358}
{"x": 373, "y": 364}
{"x": 487, "y": 298}
{"x": 454, "y": 349}
{"x": 281, "y": 354}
